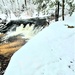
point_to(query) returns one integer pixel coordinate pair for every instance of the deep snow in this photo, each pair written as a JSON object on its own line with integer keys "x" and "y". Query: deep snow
{"x": 50, "y": 52}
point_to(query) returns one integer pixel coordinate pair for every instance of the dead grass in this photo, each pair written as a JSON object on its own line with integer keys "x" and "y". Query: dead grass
{"x": 10, "y": 47}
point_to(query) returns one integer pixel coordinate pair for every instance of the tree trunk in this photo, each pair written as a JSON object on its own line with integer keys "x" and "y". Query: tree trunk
{"x": 63, "y": 9}
{"x": 25, "y": 3}
{"x": 18, "y": 5}
{"x": 57, "y": 11}
{"x": 3, "y": 3}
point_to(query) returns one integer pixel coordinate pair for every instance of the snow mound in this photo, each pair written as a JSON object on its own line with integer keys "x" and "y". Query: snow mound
{"x": 50, "y": 52}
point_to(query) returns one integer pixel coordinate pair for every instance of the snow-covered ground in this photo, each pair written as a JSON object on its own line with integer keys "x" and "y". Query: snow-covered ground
{"x": 50, "y": 52}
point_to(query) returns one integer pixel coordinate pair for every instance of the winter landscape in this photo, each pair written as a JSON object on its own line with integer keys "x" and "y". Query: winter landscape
{"x": 37, "y": 37}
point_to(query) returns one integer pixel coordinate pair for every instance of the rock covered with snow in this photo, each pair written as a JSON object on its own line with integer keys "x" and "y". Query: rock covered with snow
{"x": 50, "y": 52}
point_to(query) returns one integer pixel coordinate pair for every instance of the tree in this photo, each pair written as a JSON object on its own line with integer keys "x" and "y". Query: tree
{"x": 43, "y": 6}
{"x": 3, "y": 3}
{"x": 71, "y": 5}
{"x": 57, "y": 11}
{"x": 25, "y": 2}
{"x": 63, "y": 1}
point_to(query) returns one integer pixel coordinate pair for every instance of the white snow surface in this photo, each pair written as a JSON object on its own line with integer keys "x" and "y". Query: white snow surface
{"x": 50, "y": 52}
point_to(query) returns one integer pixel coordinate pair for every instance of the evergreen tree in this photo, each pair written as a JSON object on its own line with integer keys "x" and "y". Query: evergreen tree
{"x": 71, "y": 5}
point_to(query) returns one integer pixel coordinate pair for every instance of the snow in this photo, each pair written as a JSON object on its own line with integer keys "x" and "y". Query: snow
{"x": 50, "y": 52}
{"x": 70, "y": 20}
{"x": 3, "y": 16}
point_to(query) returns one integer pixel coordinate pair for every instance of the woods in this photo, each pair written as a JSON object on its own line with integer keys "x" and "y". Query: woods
{"x": 42, "y": 7}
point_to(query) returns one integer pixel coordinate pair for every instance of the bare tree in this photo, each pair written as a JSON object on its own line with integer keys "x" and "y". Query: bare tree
{"x": 3, "y": 3}
{"x": 57, "y": 11}
{"x": 25, "y": 2}
{"x": 18, "y": 4}
{"x": 63, "y": 1}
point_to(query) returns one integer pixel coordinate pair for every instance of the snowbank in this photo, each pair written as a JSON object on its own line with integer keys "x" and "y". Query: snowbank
{"x": 3, "y": 16}
{"x": 50, "y": 52}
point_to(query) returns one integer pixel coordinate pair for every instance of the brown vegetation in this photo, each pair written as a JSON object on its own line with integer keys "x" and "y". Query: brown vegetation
{"x": 68, "y": 26}
{"x": 12, "y": 46}
{"x": 7, "y": 49}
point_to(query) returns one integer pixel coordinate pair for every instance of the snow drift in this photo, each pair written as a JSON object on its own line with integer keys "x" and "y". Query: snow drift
{"x": 50, "y": 52}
